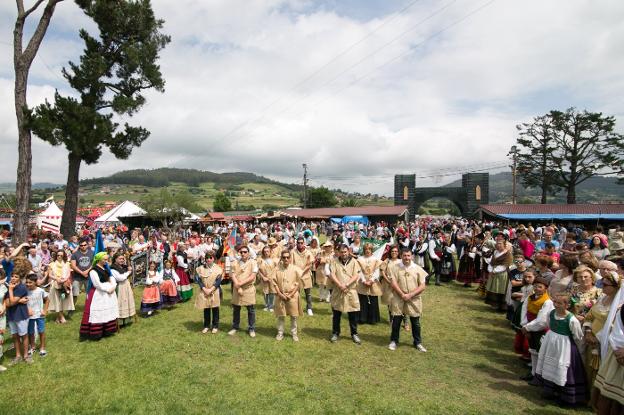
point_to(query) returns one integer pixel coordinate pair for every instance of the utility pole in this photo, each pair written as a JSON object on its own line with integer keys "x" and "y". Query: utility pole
{"x": 514, "y": 155}
{"x": 305, "y": 185}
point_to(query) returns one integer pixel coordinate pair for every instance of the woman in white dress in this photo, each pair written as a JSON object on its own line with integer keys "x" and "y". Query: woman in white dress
{"x": 101, "y": 307}
{"x": 61, "y": 299}
{"x": 125, "y": 297}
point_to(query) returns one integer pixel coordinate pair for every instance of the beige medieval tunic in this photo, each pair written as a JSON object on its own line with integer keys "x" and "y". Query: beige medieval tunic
{"x": 386, "y": 290}
{"x": 276, "y": 252}
{"x": 408, "y": 279}
{"x": 286, "y": 279}
{"x": 321, "y": 277}
{"x": 370, "y": 272}
{"x": 242, "y": 271}
{"x": 345, "y": 301}
{"x": 303, "y": 260}
{"x": 208, "y": 276}
{"x": 266, "y": 268}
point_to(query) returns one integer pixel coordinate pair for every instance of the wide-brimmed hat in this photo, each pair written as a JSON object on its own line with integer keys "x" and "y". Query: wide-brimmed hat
{"x": 616, "y": 245}
{"x": 272, "y": 241}
{"x": 327, "y": 244}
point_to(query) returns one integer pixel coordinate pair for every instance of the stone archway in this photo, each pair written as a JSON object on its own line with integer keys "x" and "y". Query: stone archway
{"x": 473, "y": 192}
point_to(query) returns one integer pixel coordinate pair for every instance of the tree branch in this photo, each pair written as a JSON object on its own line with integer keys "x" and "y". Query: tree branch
{"x": 32, "y": 9}
{"x": 37, "y": 37}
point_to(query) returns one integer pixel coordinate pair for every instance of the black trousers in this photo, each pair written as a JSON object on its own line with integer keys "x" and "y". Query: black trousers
{"x": 396, "y": 329}
{"x": 215, "y": 318}
{"x": 353, "y": 319}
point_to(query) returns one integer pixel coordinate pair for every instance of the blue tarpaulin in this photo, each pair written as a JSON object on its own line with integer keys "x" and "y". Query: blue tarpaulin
{"x": 360, "y": 219}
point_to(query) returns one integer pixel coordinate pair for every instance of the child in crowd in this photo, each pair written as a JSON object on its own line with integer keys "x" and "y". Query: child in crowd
{"x": 168, "y": 288}
{"x": 16, "y": 303}
{"x": 534, "y": 322}
{"x": 515, "y": 283}
{"x": 150, "y": 301}
{"x": 521, "y": 342}
{"x": 38, "y": 302}
{"x": 559, "y": 366}
{"x": 3, "y": 292}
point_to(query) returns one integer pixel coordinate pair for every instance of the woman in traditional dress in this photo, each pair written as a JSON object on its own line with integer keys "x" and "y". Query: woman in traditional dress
{"x": 266, "y": 267}
{"x": 584, "y": 292}
{"x": 61, "y": 299}
{"x": 595, "y": 321}
{"x": 608, "y": 393}
{"x": 324, "y": 258}
{"x": 168, "y": 290}
{"x": 150, "y": 300}
{"x": 185, "y": 288}
{"x": 559, "y": 366}
{"x": 466, "y": 273}
{"x": 369, "y": 286}
{"x": 125, "y": 297}
{"x": 496, "y": 286}
{"x": 101, "y": 308}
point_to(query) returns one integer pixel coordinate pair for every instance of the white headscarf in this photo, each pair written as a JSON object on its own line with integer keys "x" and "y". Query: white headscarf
{"x": 616, "y": 336}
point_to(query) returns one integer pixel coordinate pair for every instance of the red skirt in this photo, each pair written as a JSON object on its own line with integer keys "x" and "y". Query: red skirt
{"x": 94, "y": 331}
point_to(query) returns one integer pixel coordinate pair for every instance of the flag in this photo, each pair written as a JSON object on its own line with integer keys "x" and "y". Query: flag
{"x": 230, "y": 242}
{"x": 99, "y": 247}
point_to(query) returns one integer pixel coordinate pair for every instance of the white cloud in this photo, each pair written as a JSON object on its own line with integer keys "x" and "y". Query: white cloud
{"x": 452, "y": 101}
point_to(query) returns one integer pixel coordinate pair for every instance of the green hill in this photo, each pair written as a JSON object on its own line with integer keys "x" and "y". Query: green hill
{"x": 593, "y": 190}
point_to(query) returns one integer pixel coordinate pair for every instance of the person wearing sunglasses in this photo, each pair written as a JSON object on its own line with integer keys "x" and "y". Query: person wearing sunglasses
{"x": 80, "y": 265}
{"x": 286, "y": 282}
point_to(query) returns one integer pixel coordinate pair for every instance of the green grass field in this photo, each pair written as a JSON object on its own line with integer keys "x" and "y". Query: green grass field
{"x": 163, "y": 365}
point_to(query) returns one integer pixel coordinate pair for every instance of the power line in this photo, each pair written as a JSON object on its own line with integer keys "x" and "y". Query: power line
{"x": 340, "y": 54}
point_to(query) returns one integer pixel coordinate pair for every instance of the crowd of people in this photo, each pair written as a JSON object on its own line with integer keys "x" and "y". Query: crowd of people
{"x": 560, "y": 288}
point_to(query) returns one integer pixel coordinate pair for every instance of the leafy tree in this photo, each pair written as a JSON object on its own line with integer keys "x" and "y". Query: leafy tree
{"x": 221, "y": 203}
{"x": 169, "y": 208}
{"x": 321, "y": 197}
{"x": 22, "y": 61}
{"x": 587, "y": 146}
{"x": 534, "y": 163}
{"x": 114, "y": 70}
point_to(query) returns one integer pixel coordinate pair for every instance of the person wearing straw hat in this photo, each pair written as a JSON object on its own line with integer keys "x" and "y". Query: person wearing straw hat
{"x": 276, "y": 248}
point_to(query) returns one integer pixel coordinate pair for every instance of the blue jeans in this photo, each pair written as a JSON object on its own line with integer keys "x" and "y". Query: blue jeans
{"x": 251, "y": 317}
{"x": 269, "y": 300}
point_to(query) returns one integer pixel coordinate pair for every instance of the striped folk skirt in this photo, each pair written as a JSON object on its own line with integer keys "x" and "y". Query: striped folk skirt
{"x": 186, "y": 290}
{"x": 169, "y": 293}
{"x": 95, "y": 331}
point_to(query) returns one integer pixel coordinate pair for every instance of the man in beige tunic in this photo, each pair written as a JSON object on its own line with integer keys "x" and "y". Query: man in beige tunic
{"x": 244, "y": 273}
{"x": 286, "y": 280}
{"x": 344, "y": 274}
{"x": 302, "y": 258}
{"x": 408, "y": 282}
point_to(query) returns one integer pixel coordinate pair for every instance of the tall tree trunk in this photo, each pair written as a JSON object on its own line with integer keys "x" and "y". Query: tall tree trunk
{"x": 24, "y": 157}
{"x": 68, "y": 223}
{"x": 571, "y": 193}
{"x": 22, "y": 60}
{"x": 544, "y": 195}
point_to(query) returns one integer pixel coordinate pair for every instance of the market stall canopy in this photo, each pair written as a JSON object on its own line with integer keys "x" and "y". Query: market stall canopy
{"x": 50, "y": 218}
{"x": 555, "y": 212}
{"x": 125, "y": 209}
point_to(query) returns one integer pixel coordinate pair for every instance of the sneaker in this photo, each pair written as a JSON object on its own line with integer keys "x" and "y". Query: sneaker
{"x": 232, "y": 332}
{"x": 527, "y": 377}
{"x": 295, "y": 338}
{"x": 205, "y": 330}
{"x": 356, "y": 339}
{"x": 334, "y": 338}
{"x": 310, "y": 313}
{"x": 43, "y": 353}
{"x": 3, "y": 369}
{"x": 535, "y": 382}
{"x": 29, "y": 360}
{"x": 279, "y": 337}
{"x": 31, "y": 352}
{"x": 265, "y": 309}
{"x": 392, "y": 346}
{"x": 149, "y": 313}
{"x": 252, "y": 333}
{"x": 215, "y": 330}
{"x": 421, "y": 348}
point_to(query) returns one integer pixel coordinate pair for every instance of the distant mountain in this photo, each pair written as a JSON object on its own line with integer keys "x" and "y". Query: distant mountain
{"x": 165, "y": 176}
{"x": 593, "y": 190}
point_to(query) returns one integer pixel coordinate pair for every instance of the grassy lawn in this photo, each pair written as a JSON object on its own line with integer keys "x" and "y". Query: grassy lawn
{"x": 164, "y": 365}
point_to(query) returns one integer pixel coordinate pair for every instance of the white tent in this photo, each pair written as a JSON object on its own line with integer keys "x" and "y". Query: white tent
{"x": 50, "y": 219}
{"x": 124, "y": 209}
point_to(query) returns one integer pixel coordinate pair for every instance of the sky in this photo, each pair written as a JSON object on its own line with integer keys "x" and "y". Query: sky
{"x": 358, "y": 90}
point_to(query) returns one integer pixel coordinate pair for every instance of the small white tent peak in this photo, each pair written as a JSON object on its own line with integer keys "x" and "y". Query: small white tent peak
{"x": 50, "y": 218}
{"x": 124, "y": 209}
